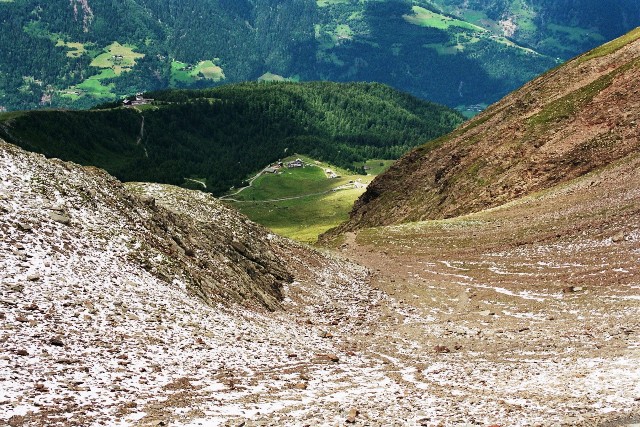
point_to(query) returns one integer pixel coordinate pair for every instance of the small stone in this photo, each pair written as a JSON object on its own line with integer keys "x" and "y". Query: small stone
{"x": 441, "y": 349}
{"x": 33, "y": 277}
{"x": 9, "y": 302}
{"x": 40, "y": 387}
{"x": 324, "y": 334}
{"x": 619, "y": 237}
{"x": 61, "y": 218}
{"x": 25, "y": 226}
{"x": 16, "y": 421}
{"x": 300, "y": 386}
{"x": 22, "y": 319}
{"x": 351, "y": 417}
{"x": 22, "y": 352}
{"x": 148, "y": 200}
{"x": 330, "y": 357}
{"x": 57, "y": 341}
{"x": 16, "y": 287}
{"x": 486, "y": 313}
{"x": 572, "y": 289}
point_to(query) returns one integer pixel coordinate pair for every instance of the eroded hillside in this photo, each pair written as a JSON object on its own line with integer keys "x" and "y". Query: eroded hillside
{"x": 572, "y": 120}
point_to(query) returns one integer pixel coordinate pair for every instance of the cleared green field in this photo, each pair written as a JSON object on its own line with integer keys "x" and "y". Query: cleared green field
{"x": 118, "y": 57}
{"x": 294, "y": 182}
{"x": 303, "y": 219}
{"x": 343, "y": 31}
{"x": 270, "y": 77}
{"x": 375, "y": 167}
{"x": 181, "y": 72}
{"x": 112, "y": 61}
{"x": 302, "y": 203}
{"x": 75, "y": 50}
{"x": 209, "y": 70}
{"x": 93, "y": 86}
{"x": 426, "y": 18}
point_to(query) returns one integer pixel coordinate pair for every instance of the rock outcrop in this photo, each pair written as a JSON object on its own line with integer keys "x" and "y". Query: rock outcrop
{"x": 78, "y": 218}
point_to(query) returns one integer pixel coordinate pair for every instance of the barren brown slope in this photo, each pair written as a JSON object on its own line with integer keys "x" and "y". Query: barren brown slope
{"x": 572, "y": 120}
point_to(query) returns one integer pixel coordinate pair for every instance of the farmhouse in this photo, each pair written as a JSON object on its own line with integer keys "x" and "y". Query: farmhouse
{"x": 297, "y": 163}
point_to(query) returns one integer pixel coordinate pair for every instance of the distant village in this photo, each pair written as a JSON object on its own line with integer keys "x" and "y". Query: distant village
{"x": 277, "y": 166}
{"x": 297, "y": 163}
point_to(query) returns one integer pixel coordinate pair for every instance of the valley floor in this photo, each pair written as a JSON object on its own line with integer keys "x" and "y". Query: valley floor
{"x": 525, "y": 315}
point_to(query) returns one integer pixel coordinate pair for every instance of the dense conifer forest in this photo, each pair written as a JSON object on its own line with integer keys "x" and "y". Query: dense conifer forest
{"x": 224, "y": 134}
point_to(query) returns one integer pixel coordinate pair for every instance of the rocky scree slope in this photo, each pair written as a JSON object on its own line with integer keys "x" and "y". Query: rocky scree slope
{"x": 119, "y": 310}
{"x": 572, "y": 120}
{"x": 82, "y": 212}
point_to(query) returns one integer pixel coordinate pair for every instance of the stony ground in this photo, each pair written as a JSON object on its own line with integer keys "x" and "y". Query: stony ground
{"x": 526, "y": 315}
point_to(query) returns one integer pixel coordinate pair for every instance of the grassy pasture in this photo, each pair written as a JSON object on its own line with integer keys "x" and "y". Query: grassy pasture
{"x": 75, "y": 50}
{"x": 303, "y": 219}
{"x": 118, "y": 65}
{"x": 301, "y": 203}
{"x": 270, "y": 77}
{"x": 426, "y": 18}
{"x": 376, "y": 167}
{"x": 181, "y": 72}
{"x": 93, "y": 86}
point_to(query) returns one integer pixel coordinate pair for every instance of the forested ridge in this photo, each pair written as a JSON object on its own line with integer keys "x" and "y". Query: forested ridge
{"x": 223, "y": 134}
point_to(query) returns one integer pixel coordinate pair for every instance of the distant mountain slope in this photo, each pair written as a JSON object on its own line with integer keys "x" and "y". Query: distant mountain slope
{"x": 222, "y": 135}
{"x": 83, "y": 52}
{"x": 572, "y": 120}
{"x": 558, "y": 28}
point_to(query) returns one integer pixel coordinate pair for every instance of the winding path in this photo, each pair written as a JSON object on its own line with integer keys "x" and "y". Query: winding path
{"x": 228, "y": 196}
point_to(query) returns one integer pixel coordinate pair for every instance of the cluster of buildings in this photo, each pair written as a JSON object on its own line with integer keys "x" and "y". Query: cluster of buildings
{"x": 139, "y": 100}
{"x": 117, "y": 59}
{"x": 275, "y": 167}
